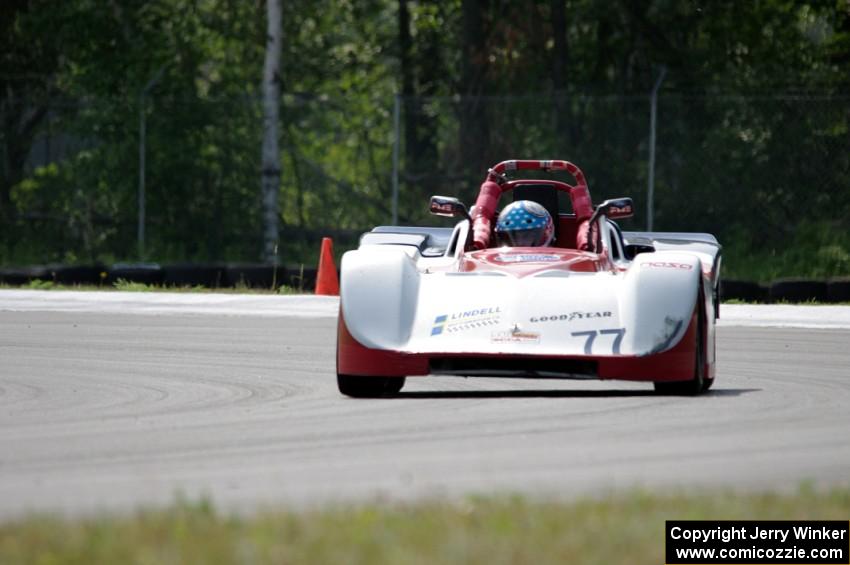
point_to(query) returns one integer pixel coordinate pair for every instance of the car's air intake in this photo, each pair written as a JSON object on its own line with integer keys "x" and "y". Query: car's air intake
{"x": 521, "y": 367}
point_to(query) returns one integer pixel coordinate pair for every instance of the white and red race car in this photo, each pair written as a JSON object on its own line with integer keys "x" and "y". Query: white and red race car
{"x": 597, "y": 303}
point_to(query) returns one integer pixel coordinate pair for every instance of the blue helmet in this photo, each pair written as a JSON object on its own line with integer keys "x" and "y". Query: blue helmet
{"x": 525, "y": 223}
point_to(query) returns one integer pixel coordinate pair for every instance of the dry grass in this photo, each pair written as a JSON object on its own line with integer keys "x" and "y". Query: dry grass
{"x": 623, "y": 529}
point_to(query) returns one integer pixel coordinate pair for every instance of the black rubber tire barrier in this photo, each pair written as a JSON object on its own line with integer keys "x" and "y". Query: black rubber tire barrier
{"x": 254, "y": 275}
{"x": 185, "y": 274}
{"x": 798, "y": 290}
{"x": 144, "y": 273}
{"x": 181, "y": 274}
{"x": 731, "y": 289}
{"x": 19, "y": 276}
{"x": 77, "y": 274}
{"x": 838, "y": 289}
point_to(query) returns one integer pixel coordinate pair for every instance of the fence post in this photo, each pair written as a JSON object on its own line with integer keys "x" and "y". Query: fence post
{"x": 140, "y": 228}
{"x": 140, "y": 231}
{"x": 651, "y": 181}
{"x": 396, "y": 143}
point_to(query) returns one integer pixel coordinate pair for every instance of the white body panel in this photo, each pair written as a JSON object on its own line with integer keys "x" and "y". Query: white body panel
{"x": 394, "y": 299}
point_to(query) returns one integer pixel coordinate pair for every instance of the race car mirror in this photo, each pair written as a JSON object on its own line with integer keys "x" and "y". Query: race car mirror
{"x": 620, "y": 208}
{"x": 616, "y": 208}
{"x": 448, "y": 206}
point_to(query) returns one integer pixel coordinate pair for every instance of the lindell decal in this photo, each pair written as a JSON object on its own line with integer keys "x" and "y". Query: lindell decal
{"x": 465, "y": 320}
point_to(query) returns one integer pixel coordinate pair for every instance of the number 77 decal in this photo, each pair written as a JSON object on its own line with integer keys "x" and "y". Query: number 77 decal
{"x": 591, "y": 335}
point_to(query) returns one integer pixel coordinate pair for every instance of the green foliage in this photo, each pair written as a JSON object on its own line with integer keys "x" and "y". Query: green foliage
{"x": 130, "y": 286}
{"x": 819, "y": 250}
{"x": 753, "y": 119}
{"x": 40, "y": 285}
{"x": 623, "y": 528}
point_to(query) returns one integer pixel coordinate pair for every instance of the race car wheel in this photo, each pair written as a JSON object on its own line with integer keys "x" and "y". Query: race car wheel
{"x": 699, "y": 383}
{"x": 369, "y": 387}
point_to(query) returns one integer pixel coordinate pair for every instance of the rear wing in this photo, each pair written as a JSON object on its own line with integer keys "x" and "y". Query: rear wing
{"x": 430, "y": 241}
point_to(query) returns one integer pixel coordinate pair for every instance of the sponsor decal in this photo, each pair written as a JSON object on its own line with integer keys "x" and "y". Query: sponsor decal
{"x": 667, "y": 265}
{"x": 465, "y": 320}
{"x": 526, "y": 258}
{"x": 569, "y": 317}
{"x": 515, "y": 335}
{"x": 439, "y": 324}
{"x": 442, "y": 207}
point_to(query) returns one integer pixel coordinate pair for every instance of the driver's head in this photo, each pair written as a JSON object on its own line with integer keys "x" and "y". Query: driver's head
{"x": 524, "y": 223}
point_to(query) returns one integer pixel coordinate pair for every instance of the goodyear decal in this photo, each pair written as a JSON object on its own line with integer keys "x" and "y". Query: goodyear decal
{"x": 570, "y": 316}
{"x": 465, "y": 320}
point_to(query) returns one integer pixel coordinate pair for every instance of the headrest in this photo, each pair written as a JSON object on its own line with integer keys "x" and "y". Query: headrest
{"x": 545, "y": 195}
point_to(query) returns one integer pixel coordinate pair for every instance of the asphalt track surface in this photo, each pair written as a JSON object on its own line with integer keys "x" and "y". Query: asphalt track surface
{"x": 113, "y": 411}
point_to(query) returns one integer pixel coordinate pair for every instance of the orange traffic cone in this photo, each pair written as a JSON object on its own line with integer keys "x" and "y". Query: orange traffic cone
{"x": 327, "y": 281}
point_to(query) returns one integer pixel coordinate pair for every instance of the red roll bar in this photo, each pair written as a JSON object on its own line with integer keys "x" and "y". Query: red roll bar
{"x": 497, "y": 182}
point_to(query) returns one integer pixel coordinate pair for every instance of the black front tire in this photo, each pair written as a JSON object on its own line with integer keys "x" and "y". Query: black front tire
{"x": 369, "y": 387}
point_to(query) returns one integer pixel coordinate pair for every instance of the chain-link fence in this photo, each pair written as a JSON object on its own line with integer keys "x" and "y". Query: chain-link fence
{"x": 747, "y": 168}
{"x": 722, "y": 162}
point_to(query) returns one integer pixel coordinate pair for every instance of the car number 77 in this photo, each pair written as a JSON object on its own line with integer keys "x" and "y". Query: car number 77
{"x": 591, "y": 336}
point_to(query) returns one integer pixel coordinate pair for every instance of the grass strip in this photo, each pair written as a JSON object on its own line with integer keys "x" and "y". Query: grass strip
{"x": 618, "y": 529}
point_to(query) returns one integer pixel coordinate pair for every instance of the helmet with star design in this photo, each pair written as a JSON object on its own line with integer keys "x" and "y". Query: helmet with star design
{"x": 524, "y": 223}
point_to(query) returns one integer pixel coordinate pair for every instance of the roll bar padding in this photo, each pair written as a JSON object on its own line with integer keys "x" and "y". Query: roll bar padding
{"x": 496, "y": 183}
